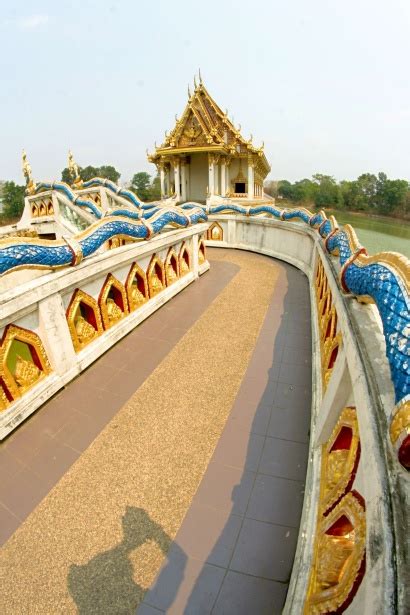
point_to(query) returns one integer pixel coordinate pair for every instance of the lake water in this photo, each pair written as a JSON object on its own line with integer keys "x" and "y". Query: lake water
{"x": 378, "y": 234}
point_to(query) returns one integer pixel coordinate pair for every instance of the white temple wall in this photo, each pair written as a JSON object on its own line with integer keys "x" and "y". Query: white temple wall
{"x": 198, "y": 177}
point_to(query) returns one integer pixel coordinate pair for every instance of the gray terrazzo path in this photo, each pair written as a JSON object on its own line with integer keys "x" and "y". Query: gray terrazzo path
{"x": 234, "y": 551}
{"x": 42, "y": 450}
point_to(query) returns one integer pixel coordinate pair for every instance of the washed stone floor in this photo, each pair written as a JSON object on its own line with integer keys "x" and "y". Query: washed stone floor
{"x": 175, "y": 464}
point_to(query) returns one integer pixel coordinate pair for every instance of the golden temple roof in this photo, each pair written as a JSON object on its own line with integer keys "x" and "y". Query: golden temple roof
{"x": 203, "y": 126}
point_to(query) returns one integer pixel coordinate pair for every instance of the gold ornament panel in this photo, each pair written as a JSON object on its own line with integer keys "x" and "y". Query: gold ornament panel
{"x": 201, "y": 251}
{"x": 112, "y": 301}
{"x": 340, "y": 457}
{"x": 215, "y": 232}
{"x": 23, "y": 362}
{"x": 171, "y": 267}
{"x": 339, "y": 557}
{"x": 184, "y": 260}
{"x": 156, "y": 276}
{"x": 330, "y": 337}
{"x": 84, "y": 319}
{"x": 136, "y": 286}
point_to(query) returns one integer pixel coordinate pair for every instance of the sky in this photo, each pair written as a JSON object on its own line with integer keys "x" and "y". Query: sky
{"x": 324, "y": 84}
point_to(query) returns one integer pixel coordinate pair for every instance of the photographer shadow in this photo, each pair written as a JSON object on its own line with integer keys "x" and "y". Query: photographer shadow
{"x": 106, "y": 583}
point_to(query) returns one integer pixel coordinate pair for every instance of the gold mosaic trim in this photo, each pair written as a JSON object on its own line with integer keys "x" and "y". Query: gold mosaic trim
{"x": 339, "y": 557}
{"x": 339, "y": 464}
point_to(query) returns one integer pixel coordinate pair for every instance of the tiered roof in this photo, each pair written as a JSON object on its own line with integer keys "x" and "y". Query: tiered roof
{"x": 203, "y": 126}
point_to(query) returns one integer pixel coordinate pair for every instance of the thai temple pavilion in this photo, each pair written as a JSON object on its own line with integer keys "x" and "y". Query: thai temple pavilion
{"x": 206, "y": 157}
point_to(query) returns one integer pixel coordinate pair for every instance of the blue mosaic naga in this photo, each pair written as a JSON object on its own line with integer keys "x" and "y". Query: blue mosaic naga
{"x": 383, "y": 279}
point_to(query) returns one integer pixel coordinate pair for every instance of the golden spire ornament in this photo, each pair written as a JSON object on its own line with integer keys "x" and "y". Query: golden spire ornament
{"x": 30, "y": 184}
{"x": 74, "y": 171}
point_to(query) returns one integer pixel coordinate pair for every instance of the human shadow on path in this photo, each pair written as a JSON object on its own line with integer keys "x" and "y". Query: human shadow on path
{"x": 106, "y": 583}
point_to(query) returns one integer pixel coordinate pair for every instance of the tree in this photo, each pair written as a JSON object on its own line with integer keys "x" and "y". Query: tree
{"x": 368, "y": 186}
{"x": 328, "y": 193}
{"x": 285, "y": 189}
{"x": 88, "y": 172}
{"x": 392, "y": 195}
{"x": 271, "y": 187}
{"x": 13, "y": 199}
{"x": 140, "y": 184}
{"x": 155, "y": 189}
{"x": 109, "y": 172}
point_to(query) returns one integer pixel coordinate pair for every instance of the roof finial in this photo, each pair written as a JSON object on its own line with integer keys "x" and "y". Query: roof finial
{"x": 189, "y": 92}
{"x": 31, "y": 186}
{"x": 200, "y": 78}
{"x": 195, "y": 84}
{"x": 176, "y": 118}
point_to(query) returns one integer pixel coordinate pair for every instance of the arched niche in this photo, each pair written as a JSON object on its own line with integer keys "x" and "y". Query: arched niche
{"x": 339, "y": 557}
{"x": 184, "y": 260}
{"x": 201, "y": 251}
{"x": 42, "y": 209}
{"x": 50, "y": 208}
{"x": 84, "y": 319}
{"x": 5, "y": 396}
{"x": 330, "y": 351}
{"x": 156, "y": 276}
{"x": 215, "y": 232}
{"x": 112, "y": 301}
{"x": 171, "y": 267}
{"x": 34, "y": 210}
{"x": 340, "y": 458}
{"x": 23, "y": 360}
{"x": 137, "y": 287}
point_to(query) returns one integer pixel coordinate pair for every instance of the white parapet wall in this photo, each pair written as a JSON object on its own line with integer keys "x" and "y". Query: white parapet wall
{"x": 351, "y": 549}
{"x": 39, "y": 333}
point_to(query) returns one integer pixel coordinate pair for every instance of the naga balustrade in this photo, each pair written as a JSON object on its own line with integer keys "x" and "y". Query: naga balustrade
{"x": 352, "y": 547}
{"x": 56, "y": 325}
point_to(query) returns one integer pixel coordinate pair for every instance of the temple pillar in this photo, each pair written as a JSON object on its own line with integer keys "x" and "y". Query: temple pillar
{"x": 183, "y": 180}
{"x": 177, "y": 179}
{"x": 216, "y": 176}
{"x": 223, "y": 177}
{"x": 227, "y": 176}
{"x": 251, "y": 192}
{"x": 211, "y": 175}
{"x": 162, "y": 179}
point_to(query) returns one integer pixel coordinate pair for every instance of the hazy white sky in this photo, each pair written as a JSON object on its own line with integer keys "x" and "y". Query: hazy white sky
{"x": 325, "y": 84}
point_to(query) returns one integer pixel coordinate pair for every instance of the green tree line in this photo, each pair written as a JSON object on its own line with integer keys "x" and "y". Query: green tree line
{"x": 368, "y": 193}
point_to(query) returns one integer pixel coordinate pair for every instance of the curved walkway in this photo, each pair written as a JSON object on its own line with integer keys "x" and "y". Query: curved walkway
{"x": 160, "y": 498}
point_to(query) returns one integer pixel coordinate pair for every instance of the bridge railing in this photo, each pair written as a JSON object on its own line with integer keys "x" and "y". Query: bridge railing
{"x": 52, "y": 327}
{"x": 352, "y": 546}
